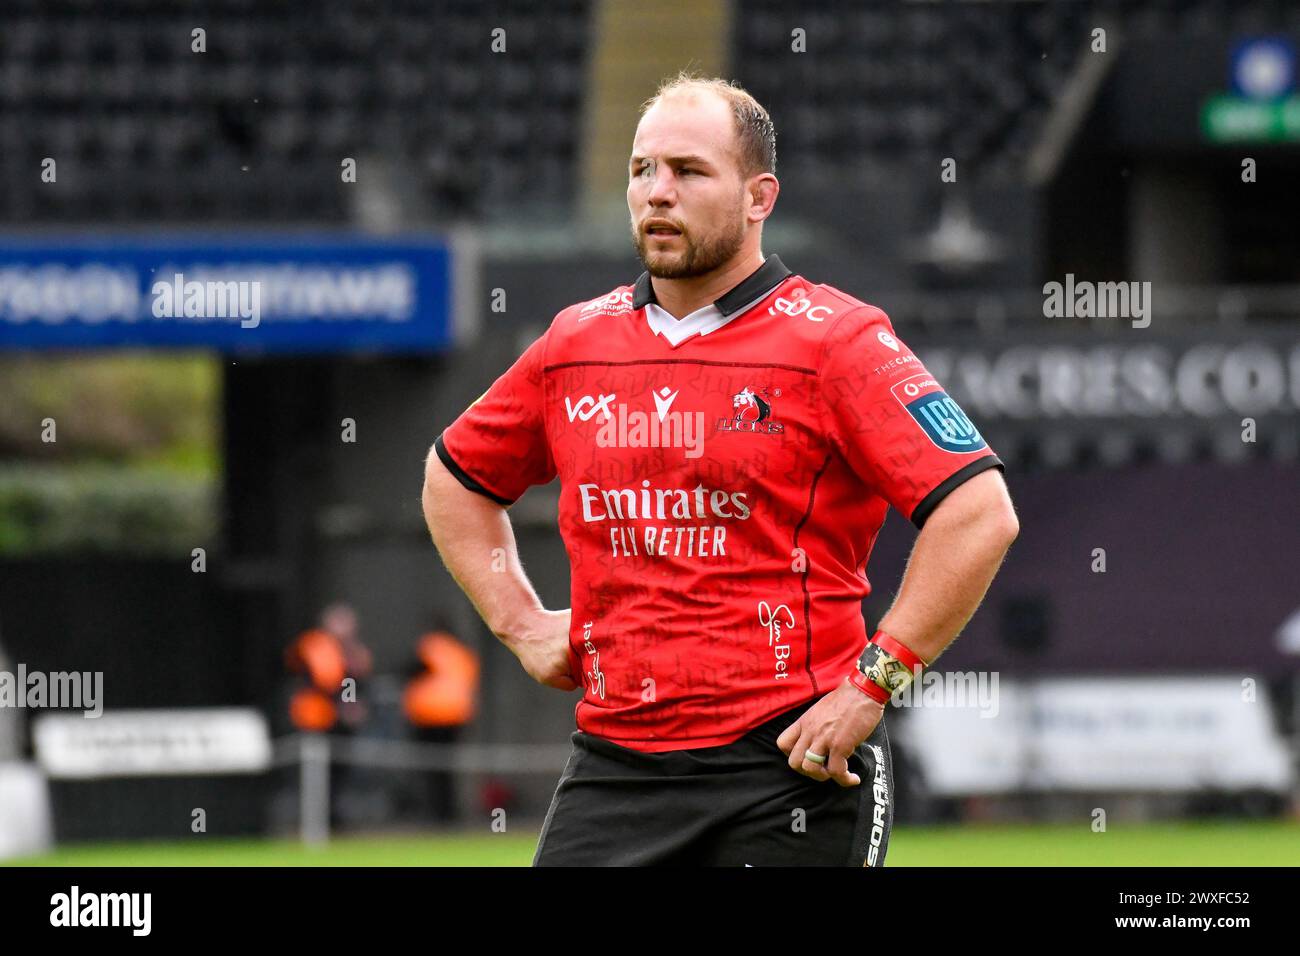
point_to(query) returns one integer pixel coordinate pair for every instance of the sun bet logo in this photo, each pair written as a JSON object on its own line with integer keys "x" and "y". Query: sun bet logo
{"x": 775, "y": 621}
{"x": 595, "y": 676}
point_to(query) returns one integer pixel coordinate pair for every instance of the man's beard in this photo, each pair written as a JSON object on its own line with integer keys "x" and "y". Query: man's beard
{"x": 698, "y": 259}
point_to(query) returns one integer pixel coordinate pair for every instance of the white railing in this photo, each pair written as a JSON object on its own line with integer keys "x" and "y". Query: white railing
{"x": 314, "y": 753}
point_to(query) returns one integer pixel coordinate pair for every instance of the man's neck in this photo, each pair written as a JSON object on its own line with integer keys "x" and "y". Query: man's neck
{"x": 680, "y": 297}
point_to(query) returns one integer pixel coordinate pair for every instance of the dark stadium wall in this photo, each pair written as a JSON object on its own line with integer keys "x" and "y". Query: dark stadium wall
{"x": 1195, "y": 579}
{"x": 161, "y": 634}
{"x": 1143, "y": 192}
{"x": 867, "y": 239}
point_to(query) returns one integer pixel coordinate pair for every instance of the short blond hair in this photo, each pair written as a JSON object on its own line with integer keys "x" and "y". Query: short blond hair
{"x": 755, "y": 133}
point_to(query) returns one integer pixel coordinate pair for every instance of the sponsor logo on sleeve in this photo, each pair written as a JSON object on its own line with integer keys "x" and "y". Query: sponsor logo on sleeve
{"x": 616, "y": 303}
{"x": 799, "y": 303}
{"x": 896, "y": 363}
{"x": 942, "y": 419}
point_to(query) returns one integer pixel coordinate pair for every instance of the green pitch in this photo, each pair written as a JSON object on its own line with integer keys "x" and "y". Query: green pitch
{"x": 1267, "y": 843}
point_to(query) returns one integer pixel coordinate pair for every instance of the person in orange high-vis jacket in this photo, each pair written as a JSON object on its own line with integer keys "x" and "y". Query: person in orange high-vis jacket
{"x": 326, "y": 656}
{"x": 438, "y": 702}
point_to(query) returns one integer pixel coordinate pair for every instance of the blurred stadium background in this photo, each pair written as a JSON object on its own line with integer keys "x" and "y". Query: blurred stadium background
{"x": 420, "y": 187}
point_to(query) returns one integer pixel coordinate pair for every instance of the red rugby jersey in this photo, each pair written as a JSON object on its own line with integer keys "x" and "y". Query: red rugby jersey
{"x": 719, "y": 497}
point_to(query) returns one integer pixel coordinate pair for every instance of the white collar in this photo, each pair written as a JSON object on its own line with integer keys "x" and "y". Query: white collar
{"x": 700, "y": 322}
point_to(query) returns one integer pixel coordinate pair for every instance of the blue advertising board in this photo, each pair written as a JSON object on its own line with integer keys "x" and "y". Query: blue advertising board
{"x": 234, "y": 292}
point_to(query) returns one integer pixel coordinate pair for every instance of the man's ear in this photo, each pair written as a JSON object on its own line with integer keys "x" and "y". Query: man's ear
{"x": 763, "y": 190}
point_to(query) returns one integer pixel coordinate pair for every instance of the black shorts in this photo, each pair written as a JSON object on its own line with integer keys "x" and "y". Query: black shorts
{"x": 734, "y": 805}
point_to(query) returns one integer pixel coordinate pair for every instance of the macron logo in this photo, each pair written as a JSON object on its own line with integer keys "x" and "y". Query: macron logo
{"x": 664, "y": 401}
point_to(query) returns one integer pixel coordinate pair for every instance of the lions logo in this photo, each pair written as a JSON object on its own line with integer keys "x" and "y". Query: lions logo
{"x": 750, "y": 407}
{"x": 751, "y": 412}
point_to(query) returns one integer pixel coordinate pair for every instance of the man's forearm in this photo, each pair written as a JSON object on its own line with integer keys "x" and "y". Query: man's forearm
{"x": 952, "y": 565}
{"x": 477, "y": 543}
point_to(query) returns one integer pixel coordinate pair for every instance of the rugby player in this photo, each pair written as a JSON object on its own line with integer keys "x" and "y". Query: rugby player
{"x": 728, "y": 437}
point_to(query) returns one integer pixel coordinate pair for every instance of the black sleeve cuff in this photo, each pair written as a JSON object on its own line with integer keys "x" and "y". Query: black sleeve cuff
{"x": 463, "y": 477}
{"x": 931, "y": 501}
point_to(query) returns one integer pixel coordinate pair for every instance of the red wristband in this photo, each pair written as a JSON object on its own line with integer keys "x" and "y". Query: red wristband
{"x": 869, "y": 687}
{"x": 904, "y": 653}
